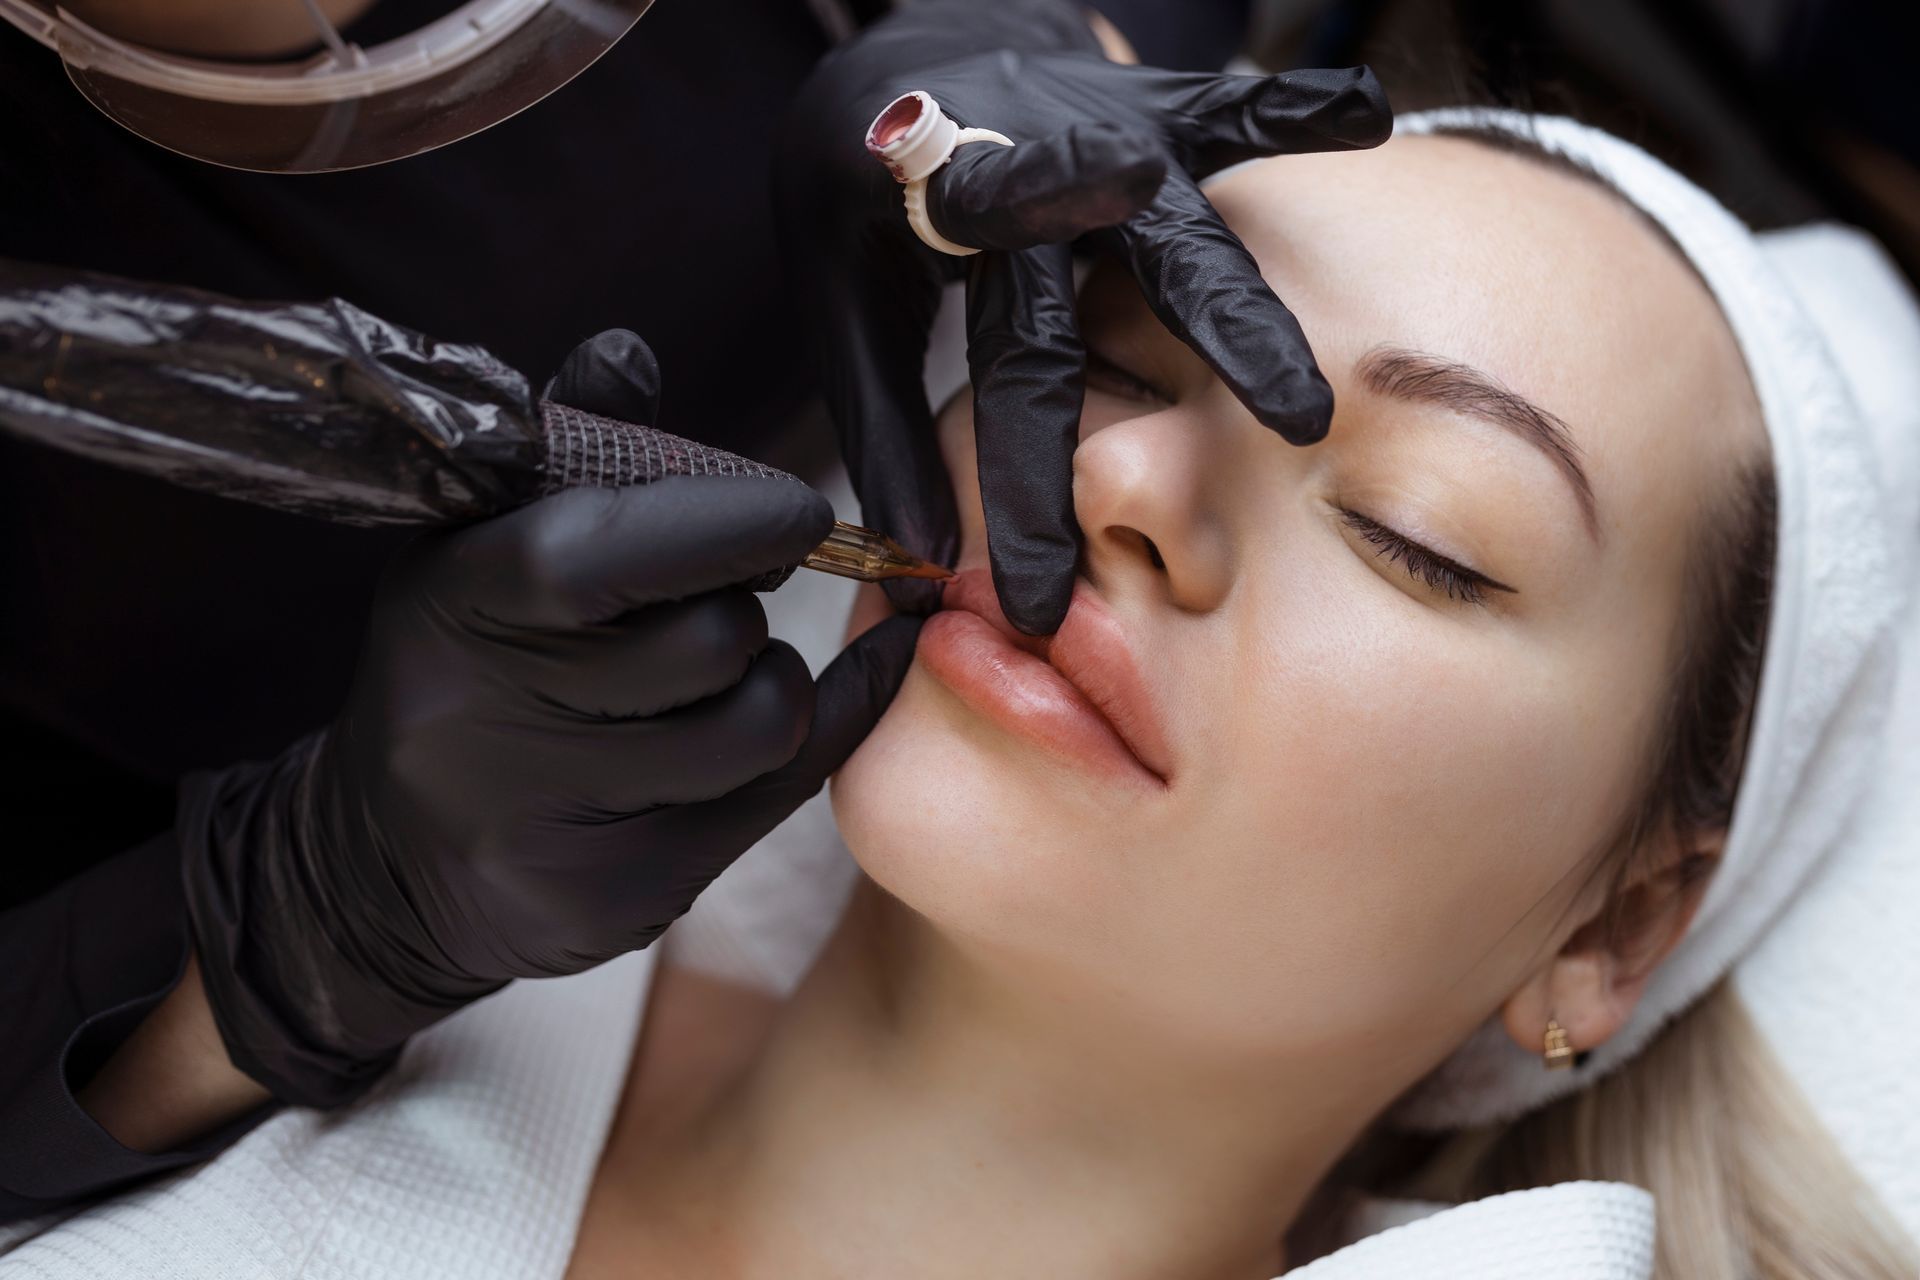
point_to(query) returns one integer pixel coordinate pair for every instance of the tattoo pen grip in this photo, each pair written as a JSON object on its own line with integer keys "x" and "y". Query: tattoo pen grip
{"x": 324, "y": 410}
{"x": 586, "y": 450}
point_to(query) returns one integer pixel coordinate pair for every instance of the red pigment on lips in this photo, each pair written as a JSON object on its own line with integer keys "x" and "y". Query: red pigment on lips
{"x": 1021, "y": 693}
{"x": 1008, "y": 677}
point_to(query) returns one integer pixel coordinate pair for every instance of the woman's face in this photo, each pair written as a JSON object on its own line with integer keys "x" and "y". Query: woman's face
{"x": 1331, "y": 735}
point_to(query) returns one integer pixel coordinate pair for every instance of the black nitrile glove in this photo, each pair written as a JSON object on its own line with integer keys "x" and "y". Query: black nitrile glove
{"x": 565, "y": 723}
{"x": 1098, "y": 145}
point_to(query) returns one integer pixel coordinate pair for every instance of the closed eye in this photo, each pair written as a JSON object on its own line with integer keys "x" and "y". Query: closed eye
{"x": 1441, "y": 573}
{"x": 1105, "y": 375}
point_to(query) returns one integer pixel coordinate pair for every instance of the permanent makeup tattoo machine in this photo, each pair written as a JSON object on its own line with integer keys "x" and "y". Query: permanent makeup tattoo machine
{"x": 324, "y": 410}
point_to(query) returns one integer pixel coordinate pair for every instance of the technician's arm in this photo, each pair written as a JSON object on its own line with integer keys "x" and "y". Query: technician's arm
{"x": 81, "y": 968}
{"x": 565, "y": 723}
{"x": 171, "y": 1081}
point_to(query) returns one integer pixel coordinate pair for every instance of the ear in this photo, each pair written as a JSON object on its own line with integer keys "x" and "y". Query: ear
{"x": 1591, "y": 985}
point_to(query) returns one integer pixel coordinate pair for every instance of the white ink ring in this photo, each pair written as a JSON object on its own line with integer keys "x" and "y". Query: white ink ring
{"x": 913, "y": 137}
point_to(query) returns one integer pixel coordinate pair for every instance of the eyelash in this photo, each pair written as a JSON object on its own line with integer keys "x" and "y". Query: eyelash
{"x": 1430, "y": 567}
{"x": 1121, "y": 382}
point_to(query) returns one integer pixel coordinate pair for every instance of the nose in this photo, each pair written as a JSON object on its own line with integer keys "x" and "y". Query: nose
{"x": 1149, "y": 494}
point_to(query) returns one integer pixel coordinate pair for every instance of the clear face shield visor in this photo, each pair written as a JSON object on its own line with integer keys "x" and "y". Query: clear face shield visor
{"x": 345, "y": 107}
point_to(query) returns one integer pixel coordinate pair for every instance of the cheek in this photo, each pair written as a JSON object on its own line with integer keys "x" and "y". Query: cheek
{"x": 891, "y": 813}
{"x": 987, "y": 841}
{"x": 1384, "y": 815}
{"x": 1429, "y": 797}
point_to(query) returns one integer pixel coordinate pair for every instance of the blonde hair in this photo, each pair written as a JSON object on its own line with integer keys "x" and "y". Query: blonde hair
{"x": 1747, "y": 1183}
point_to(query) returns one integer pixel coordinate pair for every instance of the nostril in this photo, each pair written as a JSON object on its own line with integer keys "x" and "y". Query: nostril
{"x": 1132, "y": 544}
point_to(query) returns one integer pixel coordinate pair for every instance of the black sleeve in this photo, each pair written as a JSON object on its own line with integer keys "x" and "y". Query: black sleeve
{"x": 1182, "y": 35}
{"x": 80, "y": 966}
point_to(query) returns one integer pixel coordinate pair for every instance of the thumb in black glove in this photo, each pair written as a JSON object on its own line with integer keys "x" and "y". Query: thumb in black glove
{"x": 565, "y": 723}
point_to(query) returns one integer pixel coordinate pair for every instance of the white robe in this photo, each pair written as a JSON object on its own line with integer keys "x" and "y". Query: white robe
{"x": 473, "y": 1159}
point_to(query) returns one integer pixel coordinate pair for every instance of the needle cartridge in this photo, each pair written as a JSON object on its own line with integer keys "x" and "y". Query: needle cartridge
{"x": 868, "y": 555}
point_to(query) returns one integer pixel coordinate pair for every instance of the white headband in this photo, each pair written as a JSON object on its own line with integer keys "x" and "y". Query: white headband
{"x": 1831, "y": 647}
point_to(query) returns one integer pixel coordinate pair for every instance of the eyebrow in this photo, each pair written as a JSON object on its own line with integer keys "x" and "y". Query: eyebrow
{"x": 1429, "y": 379}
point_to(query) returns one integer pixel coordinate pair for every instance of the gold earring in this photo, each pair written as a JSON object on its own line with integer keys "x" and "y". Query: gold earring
{"x": 1556, "y": 1053}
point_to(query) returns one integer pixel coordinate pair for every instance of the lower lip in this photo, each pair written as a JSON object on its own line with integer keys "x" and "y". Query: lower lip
{"x": 1022, "y": 694}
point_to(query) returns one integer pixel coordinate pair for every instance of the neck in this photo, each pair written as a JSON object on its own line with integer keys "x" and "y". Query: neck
{"x": 912, "y": 1114}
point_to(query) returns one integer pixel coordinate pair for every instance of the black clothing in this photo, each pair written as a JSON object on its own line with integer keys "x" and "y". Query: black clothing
{"x": 635, "y": 197}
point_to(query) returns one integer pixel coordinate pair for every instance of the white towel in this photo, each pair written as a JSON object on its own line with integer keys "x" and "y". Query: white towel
{"x": 1835, "y": 984}
{"x": 1570, "y": 1231}
{"x": 473, "y": 1161}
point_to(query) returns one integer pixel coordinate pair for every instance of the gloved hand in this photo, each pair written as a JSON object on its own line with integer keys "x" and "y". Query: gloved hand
{"x": 566, "y": 721}
{"x": 1099, "y": 145}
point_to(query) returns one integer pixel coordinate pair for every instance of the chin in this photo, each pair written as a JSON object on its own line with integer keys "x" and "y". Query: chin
{"x": 1083, "y": 894}
{"x": 957, "y": 823}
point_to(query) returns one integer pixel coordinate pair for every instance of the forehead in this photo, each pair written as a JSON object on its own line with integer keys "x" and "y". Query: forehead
{"x": 1541, "y": 278}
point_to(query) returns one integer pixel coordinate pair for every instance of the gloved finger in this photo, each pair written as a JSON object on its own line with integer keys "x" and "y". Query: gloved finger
{"x": 854, "y": 691}
{"x": 875, "y": 336}
{"x": 586, "y": 556}
{"x": 1047, "y": 190}
{"x": 694, "y": 752}
{"x": 1029, "y": 380}
{"x": 852, "y": 694}
{"x": 1218, "y": 120}
{"x": 1206, "y": 288}
{"x": 652, "y": 660}
{"x": 614, "y": 374}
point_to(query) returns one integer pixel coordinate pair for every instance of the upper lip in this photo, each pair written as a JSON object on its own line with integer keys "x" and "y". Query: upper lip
{"x": 1092, "y": 652}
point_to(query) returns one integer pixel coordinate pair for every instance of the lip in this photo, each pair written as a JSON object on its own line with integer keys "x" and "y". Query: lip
{"x": 1078, "y": 693}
